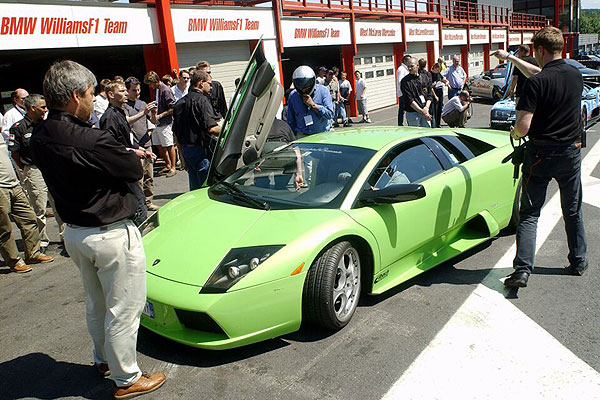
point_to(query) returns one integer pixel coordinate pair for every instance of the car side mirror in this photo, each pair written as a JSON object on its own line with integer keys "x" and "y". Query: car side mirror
{"x": 392, "y": 194}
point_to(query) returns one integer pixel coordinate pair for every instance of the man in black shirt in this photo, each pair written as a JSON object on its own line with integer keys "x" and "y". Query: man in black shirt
{"x": 140, "y": 115}
{"x": 548, "y": 113}
{"x": 31, "y": 177}
{"x": 194, "y": 123}
{"x": 519, "y": 80}
{"x": 114, "y": 120}
{"x": 217, "y": 94}
{"x": 88, "y": 171}
{"x": 416, "y": 97}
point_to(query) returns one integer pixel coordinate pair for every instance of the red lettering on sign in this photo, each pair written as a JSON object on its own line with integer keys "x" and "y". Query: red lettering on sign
{"x": 197, "y": 24}
{"x": 17, "y": 26}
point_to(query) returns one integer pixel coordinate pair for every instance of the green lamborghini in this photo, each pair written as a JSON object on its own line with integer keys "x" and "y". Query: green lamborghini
{"x": 298, "y": 234}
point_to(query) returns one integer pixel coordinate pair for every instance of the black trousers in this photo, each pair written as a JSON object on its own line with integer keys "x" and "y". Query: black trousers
{"x": 541, "y": 164}
{"x": 437, "y": 106}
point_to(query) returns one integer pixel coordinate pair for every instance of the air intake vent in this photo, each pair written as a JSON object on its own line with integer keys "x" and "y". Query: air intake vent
{"x": 199, "y": 321}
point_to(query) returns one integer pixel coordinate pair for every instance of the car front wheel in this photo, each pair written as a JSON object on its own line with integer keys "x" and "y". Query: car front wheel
{"x": 332, "y": 288}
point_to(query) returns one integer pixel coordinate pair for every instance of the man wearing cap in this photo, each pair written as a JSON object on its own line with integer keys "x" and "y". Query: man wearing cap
{"x": 321, "y": 78}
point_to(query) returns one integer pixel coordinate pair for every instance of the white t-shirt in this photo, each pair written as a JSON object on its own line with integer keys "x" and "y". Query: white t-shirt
{"x": 453, "y": 104}
{"x": 13, "y": 115}
{"x": 360, "y": 86}
{"x": 100, "y": 105}
{"x": 178, "y": 93}
{"x": 345, "y": 84}
{"x": 400, "y": 74}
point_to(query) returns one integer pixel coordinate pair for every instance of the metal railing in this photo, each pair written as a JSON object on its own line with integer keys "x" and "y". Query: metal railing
{"x": 451, "y": 11}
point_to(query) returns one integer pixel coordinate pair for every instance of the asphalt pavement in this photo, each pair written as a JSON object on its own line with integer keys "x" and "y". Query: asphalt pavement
{"x": 452, "y": 332}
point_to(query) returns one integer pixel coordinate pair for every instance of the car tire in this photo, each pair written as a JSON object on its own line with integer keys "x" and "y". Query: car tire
{"x": 514, "y": 218}
{"x": 332, "y": 287}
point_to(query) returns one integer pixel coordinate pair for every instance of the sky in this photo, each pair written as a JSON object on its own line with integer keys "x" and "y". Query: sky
{"x": 590, "y": 3}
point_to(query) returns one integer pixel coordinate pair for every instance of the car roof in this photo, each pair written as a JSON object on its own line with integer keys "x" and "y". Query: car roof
{"x": 379, "y": 137}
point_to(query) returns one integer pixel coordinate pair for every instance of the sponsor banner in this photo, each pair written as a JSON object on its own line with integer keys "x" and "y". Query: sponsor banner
{"x": 39, "y": 26}
{"x": 322, "y": 32}
{"x": 480, "y": 36}
{"x": 451, "y": 37}
{"x": 377, "y": 32}
{"x": 527, "y": 37}
{"x": 514, "y": 38}
{"x": 498, "y": 36}
{"x": 422, "y": 32}
{"x": 212, "y": 25}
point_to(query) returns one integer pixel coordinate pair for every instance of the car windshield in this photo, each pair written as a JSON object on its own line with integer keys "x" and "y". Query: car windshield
{"x": 498, "y": 72}
{"x": 301, "y": 175}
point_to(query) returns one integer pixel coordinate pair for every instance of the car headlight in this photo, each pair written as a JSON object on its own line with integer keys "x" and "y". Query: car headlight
{"x": 237, "y": 263}
{"x": 149, "y": 224}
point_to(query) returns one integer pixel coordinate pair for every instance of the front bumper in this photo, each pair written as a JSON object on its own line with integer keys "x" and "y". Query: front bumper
{"x": 244, "y": 316}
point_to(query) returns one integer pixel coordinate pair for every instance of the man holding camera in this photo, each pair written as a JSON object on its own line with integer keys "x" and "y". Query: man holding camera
{"x": 455, "y": 112}
{"x": 548, "y": 112}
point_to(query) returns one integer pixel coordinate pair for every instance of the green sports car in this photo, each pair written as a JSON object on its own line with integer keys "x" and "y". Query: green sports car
{"x": 299, "y": 233}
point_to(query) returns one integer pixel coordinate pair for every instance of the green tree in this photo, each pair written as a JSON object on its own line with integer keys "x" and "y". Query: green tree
{"x": 589, "y": 21}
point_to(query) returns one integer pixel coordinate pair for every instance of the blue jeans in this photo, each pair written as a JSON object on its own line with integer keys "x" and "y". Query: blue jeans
{"x": 400, "y": 110}
{"x": 340, "y": 111}
{"x": 197, "y": 165}
{"x": 417, "y": 119}
{"x": 541, "y": 164}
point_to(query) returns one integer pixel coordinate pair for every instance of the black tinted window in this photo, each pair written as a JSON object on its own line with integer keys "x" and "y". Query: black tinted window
{"x": 407, "y": 165}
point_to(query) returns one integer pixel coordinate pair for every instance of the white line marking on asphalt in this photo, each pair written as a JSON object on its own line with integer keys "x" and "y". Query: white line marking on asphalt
{"x": 489, "y": 349}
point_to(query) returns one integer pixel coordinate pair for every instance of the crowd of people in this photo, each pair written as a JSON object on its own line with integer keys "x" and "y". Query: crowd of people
{"x": 104, "y": 143}
{"x": 421, "y": 93}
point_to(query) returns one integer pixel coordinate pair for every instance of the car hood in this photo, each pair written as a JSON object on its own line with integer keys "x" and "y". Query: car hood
{"x": 506, "y": 105}
{"x": 195, "y": 233}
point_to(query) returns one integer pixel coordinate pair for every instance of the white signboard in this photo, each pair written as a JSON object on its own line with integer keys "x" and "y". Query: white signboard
{"x": 480, "y": 36}
{"x": 498, "y": 36}
{"x": 377, "y": 32}
{"x": 212, "y": 25}
{"x": 514, "y": 38}
{"x": 37, "y": 26}
{"x": 452, "y": 37}
{"x": 527, "y": 37}
{"x": 422, "y": 32}
{"x": 307, "y": 32}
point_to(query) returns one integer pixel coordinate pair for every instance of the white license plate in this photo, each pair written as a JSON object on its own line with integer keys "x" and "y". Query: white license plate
{"x": 148, "y": 310}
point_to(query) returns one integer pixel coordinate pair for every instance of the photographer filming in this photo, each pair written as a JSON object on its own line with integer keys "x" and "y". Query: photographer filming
{"x": 548, "y": 112}
{"x": 455, "y": 112}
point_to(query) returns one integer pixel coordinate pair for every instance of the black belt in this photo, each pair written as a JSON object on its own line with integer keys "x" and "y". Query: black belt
{"x": 538, "y": 142}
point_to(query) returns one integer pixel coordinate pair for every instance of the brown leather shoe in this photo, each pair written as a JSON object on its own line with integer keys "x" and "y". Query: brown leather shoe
{"x": 21, "y": 268}
{"x": 102, "y": 369}
{"x": 40, "y": 259}
{"x": 146, "y": 384}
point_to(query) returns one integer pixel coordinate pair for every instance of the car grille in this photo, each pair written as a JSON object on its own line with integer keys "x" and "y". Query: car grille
{"x": 199, "y": 321}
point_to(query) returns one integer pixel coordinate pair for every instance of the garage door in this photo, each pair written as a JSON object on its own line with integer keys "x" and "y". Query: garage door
{"x": 493, "y": 60}
{"x": 376, "y": 62}
{"x": 476, "y": 60}
{"x": 447, "y": 53}
{"x": 417, "y": 50}
{"x": 227, "y": 60}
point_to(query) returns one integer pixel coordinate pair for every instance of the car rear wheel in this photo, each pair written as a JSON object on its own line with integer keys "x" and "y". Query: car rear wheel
{"x": 332, "y": 287}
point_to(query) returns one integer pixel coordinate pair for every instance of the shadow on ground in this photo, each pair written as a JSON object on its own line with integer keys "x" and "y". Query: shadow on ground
{"x": 40, "y": 376}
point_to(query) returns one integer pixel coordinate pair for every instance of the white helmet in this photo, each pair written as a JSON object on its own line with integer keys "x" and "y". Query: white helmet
{"x": 304, "y": 79}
